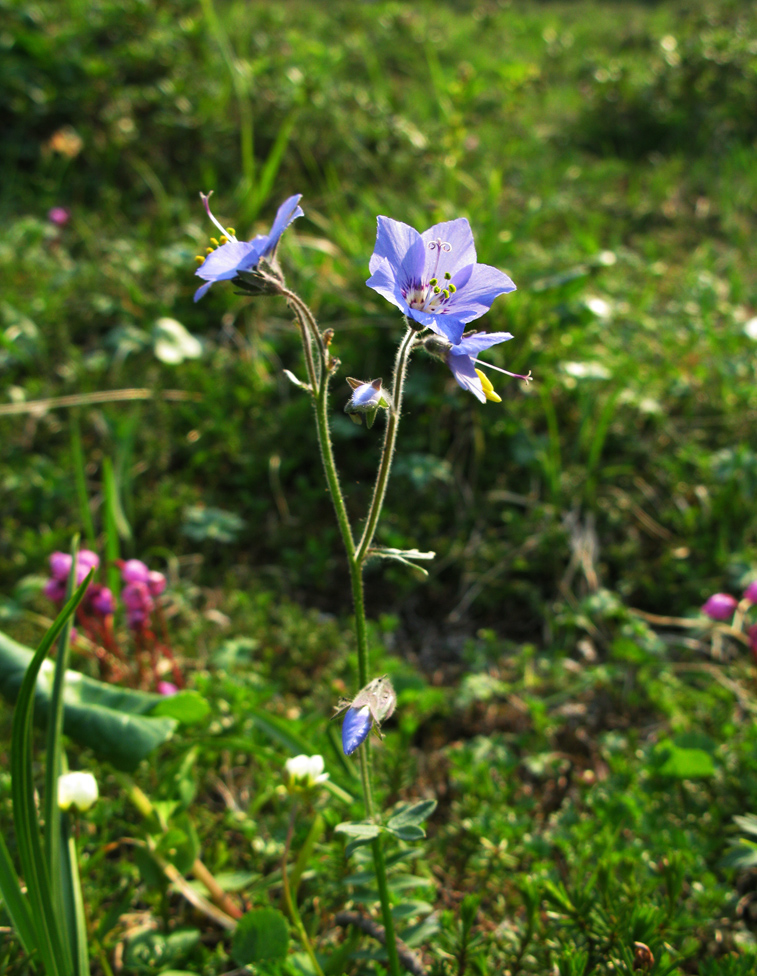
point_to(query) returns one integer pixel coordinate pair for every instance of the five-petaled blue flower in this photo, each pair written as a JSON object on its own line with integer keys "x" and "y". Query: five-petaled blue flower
{"x": 433, "y": 277}
{"x": 233, "y": 256}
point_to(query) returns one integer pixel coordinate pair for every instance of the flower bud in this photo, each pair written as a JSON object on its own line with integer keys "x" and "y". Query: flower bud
{"x": 101, "y": 601}
{"x": 135, "y": 571}
{"x": 720, "y": 606}
{"x": 750, "y": 593}
{"x": 60, "y": 565}
{"x": 304, "y": 773}
{"x": 372, "y": 705}
{"x": 167, "y": 688}
{"x": 55, "y": 590}
{"x": 156, "y": 582}
{"x": 78, "y": 790}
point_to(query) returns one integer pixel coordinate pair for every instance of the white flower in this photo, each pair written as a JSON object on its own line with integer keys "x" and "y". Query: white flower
{"x": 77, "y": 790}
{"x": 305, "y": 772}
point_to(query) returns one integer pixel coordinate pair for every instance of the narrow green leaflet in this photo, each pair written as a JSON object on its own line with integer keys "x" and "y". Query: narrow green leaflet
{"x": 406, "y": 556}
{"x": 365, "y": 831}
{"x": 114, "y": 722}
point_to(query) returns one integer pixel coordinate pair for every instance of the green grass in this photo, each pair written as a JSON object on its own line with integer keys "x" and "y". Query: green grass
{"x": 604, "y": 156}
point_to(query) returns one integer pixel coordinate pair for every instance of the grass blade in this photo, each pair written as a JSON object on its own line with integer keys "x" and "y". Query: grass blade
{"x": 16, "y": 903}
{"x": 77, "y": 456}
{"x": 49, "y": 938}
{"x": 53, "y": 769}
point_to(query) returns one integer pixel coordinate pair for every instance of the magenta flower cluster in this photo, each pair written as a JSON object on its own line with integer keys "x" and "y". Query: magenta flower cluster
{"x": 98, "y": 600}
{"x": 722, "y": 606}
{"x": 142, "y": 586}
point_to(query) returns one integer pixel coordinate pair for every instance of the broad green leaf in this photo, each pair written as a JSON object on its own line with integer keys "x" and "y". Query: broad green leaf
{"x": 262, "y": 935}
{"x": 114, "y": 722}
{"x": 148, "y": 952}
{"x": 670, "y": 760}
{"x": 187, "y": 707}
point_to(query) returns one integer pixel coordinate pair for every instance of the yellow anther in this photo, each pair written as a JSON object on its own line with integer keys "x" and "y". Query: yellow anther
{"x": 199, "y": 259}
{"x": 209, "y": 250}
{"x": 437, "y": 289}
{"x": 447, "y": 275}
{"x": 446, "y": 293}
{"x": 214, "y": 242}
{"x": 488, "y": 388}
{"x": 451, "y": 289}
{"x": 434, "y": 281}
{"x": 224, "y": 239}
{"x": 231, "y": 232}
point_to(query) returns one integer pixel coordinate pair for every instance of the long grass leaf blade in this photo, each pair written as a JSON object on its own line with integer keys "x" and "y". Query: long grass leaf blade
{"x": 112, "y": 545}
{"x": 16, "y": 903}
{"x": 54, "y": 768}
{"x": 77, "y": 457}
{"x": 49, "y": 939}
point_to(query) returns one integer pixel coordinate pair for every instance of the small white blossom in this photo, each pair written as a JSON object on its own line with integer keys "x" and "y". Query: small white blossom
{"x": 77, "y": 790}
{"x": 304, "y": 772}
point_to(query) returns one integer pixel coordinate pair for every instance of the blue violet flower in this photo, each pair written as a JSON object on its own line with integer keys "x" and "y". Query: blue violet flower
{"x": 229, "y": 256}
{"x": 434, "y": 277}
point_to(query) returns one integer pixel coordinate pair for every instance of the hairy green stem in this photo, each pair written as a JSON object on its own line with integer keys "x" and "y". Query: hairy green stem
{"x": 290, "y": 903}
{"x": 390, "y": 439}
{"x": 386, "y": 908}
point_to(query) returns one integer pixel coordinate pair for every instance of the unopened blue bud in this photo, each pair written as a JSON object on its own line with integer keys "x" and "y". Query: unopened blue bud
{"x": 355, "y": 728}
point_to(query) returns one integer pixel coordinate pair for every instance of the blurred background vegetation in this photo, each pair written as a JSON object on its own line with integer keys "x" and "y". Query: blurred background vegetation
{"x": 604, "y": 155}
{"x": 604, "y": 160}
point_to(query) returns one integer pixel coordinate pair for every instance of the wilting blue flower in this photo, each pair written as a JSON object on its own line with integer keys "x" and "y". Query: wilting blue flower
{"x": 433, "y": 277}
{"x": 355, "y": 728}
{"x": 233, "y": 256}
{"x": 373, "y": 703}
{"x": 461, "y": 357}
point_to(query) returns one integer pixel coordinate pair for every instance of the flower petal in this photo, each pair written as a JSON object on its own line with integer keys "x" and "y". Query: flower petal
{"x": 226, "y": 260}
{"x": 393, "y": 240}
{"x": 459, "y": 236}
{"x": 287, "y": 212}
{"x": 466, "y": 376}
{"x": 201, "y": 290}
{"x": 355, "y": 729}
{"x": 474, "y": 299}
{"x": 473, "y": 345}
{"x": 384, "y": 281}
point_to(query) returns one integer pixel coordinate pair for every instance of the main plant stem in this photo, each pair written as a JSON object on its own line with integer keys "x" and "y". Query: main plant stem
{"x": 319, "y": 381}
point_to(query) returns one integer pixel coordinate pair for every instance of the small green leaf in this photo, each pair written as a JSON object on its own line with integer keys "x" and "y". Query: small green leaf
{"x": 412, "y": 814}
{"x": 409, "y": 833}
{"x": 262, "y": 935}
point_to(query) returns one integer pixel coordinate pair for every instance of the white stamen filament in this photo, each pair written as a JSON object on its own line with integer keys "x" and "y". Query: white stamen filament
{"x": 507, "y": 372}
